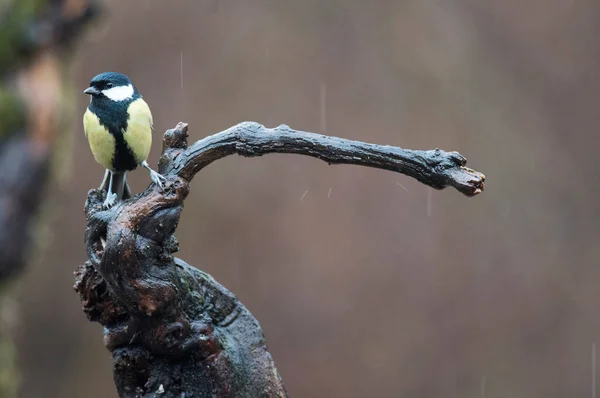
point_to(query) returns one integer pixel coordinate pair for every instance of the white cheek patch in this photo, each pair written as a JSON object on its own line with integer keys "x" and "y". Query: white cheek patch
{"x": 119, "y": 93}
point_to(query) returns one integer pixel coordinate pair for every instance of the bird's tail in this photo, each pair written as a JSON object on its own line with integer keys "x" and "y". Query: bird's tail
{"x": 119, "y": 185}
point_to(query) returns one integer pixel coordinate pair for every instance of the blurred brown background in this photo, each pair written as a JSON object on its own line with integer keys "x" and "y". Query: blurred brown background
{"x": 363, "y": 288}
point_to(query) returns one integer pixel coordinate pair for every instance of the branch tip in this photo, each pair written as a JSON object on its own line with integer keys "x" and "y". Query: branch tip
{"x": 176, "y": 137}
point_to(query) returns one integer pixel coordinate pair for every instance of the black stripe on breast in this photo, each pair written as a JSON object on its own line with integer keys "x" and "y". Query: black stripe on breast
{"x": 113, "y": 116}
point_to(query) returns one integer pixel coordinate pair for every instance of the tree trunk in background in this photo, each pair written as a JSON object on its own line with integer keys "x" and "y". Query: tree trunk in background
{"x": 35, "y": 38}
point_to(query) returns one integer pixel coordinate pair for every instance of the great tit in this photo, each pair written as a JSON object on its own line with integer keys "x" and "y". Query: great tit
{"x": 118, "y": 126}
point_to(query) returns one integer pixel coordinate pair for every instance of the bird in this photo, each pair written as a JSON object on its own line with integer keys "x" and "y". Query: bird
{"x": 118, "y": 127}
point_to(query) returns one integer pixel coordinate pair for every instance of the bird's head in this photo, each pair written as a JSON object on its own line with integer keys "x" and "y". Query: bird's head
{"x": 114, "y": 86}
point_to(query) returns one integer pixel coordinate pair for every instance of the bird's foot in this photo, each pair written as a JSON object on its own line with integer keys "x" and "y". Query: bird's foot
{"x": 110, "y": 200}
{"x": 154, "y": 176}
{"x": 158, "y": 179}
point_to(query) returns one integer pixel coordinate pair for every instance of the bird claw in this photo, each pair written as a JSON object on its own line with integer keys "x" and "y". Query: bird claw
{"x": 110, "y": 200}
{"x": 158, "y": 179}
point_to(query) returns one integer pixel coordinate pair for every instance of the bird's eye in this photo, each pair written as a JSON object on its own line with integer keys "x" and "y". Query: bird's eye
{"x": 109, "y": 85}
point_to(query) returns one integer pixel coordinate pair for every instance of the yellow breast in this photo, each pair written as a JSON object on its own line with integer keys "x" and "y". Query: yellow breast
{"x": 102, "y": 143}
{"x": 139, "y": 130}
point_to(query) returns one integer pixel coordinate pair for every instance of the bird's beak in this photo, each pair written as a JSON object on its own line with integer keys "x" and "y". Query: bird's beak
{"x": 91, "y": 91}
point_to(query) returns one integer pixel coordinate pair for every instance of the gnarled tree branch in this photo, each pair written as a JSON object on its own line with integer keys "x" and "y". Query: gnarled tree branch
{"x": 172, "y": 329}
{"x": 436, "y": 168}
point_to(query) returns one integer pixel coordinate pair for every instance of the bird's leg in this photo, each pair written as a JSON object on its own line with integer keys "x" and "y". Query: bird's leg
{"x": 126, "y": 190}
{"x": 104, "y": 180}
{"x": 110, "y": 196}
{"x": 154, "y": 176}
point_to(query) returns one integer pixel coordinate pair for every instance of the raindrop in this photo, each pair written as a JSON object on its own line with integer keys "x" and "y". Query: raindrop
{"x": 304, "y": 194}
{"x": 323, "y": 108}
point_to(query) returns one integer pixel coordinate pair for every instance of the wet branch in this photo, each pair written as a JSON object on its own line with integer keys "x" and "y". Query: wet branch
{"x": 436, "y": 168}
{"x": 172, "y": 329}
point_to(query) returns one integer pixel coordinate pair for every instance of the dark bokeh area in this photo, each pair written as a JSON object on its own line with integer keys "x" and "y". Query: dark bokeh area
{"x": 366, "y": 283}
